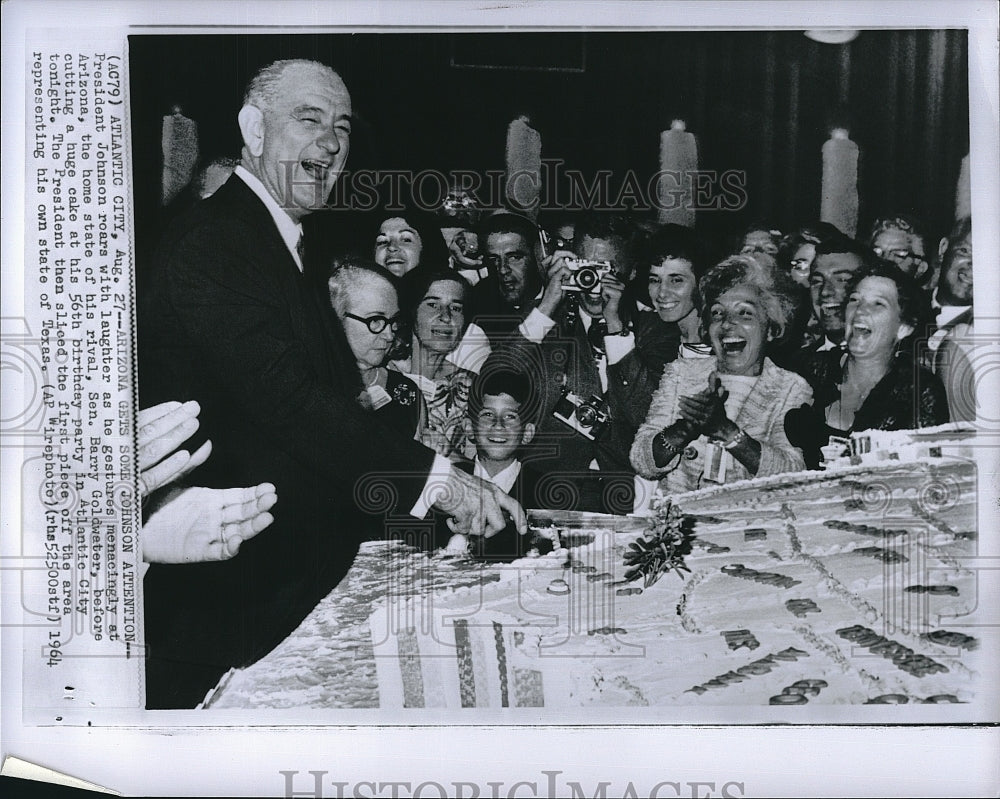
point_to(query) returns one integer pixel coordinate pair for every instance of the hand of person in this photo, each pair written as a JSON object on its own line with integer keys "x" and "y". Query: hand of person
{"x": 556, "y": 274}
{"x": 706, "y": 410}
{"x": 612, "y": 288}
{"x": 206, "y": 524}
{"x": 477, "y": 507}
{"x": 462, "y": 242}
{"x": 161, "y": 429}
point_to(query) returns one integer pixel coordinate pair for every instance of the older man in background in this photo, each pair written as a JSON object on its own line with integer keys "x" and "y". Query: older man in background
{"x": 950, "y": 344}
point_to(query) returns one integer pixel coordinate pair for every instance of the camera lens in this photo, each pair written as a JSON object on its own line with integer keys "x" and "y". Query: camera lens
{"x": 587, "y": 278}
{"x": 586, "y": 414}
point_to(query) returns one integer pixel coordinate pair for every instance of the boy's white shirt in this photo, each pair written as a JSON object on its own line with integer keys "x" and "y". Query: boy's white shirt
{"x": 503, "y": 479}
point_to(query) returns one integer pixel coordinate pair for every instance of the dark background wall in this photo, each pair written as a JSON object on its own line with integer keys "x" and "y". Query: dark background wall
{"x": 761, "y": 102}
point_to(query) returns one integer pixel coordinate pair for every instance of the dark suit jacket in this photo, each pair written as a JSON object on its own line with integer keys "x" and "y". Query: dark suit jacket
{"x": 508, "y": 544}
{"x": 227, "y": 319}
{"x": 633, "y": 380}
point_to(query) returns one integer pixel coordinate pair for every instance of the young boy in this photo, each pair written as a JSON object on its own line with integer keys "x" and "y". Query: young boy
{"x": 498, "y": 424}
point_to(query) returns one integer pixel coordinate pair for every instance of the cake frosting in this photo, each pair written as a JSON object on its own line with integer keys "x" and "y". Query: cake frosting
{"x": 851, "y": 586}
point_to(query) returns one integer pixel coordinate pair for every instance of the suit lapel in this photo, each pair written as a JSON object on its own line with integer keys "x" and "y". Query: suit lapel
{"x": 312, "y": 319}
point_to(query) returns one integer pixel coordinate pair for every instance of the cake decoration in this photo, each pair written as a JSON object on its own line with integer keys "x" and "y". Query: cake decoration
{"x": 664, "y": 551}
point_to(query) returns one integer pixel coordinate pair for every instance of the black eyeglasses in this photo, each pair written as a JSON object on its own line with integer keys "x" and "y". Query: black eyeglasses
{"x": 376, "y": 324}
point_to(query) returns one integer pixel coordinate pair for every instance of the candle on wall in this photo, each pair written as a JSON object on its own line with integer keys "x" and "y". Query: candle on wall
{"x": 180, "y": 153}
{"x": 963, "y": 194}
{"x": 678, "y": 165}
{"x": 839, "y": 202}
{"x": 524, "y": 166}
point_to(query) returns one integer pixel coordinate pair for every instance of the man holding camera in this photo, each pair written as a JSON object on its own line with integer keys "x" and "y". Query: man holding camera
{"x": 578, "y": 332}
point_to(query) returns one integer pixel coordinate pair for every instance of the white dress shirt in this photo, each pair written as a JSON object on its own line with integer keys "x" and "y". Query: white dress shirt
{"x": 504, "y": 479}
{"x": 290, "y": 230}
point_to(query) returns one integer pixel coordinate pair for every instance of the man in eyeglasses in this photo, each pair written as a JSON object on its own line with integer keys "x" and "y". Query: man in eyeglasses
{"x": 900, "y": 240}
{"x": 230, "y": 317}
{"x": 950, "y": 343}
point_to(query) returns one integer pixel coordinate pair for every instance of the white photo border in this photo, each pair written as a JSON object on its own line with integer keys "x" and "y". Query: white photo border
{"x": 187, "y": 756}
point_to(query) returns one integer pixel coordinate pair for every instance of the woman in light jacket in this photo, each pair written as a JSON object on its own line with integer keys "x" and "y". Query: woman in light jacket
{"x": 722, "y": 418}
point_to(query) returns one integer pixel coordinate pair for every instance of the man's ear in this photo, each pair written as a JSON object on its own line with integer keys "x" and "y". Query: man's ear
{"x": 251, "y": 121}
{"x": 903, "y": 331}
{"x": 528, "y": 434}
{"x": 470, "y": 430}
{"x": 942, "y": 246}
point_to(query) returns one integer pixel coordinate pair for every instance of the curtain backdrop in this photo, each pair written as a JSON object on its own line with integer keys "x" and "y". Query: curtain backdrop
{"x": 759, "y": 102}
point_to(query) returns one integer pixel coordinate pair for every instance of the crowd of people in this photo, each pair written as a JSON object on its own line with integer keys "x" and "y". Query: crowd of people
{"x": 464, "y": 365}
{"x": 665, "y": 370}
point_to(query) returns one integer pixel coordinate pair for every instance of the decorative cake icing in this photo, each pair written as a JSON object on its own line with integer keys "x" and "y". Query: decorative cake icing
{"x": 847, "y": 587}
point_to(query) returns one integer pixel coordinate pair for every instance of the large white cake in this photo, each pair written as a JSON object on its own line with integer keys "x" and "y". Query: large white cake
{"x": 850, "y": 587}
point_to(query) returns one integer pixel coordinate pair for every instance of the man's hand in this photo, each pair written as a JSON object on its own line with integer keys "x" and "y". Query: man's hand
{"x": 612, "y": 288}
{"x": 206, "y": 524}
{"x": 161, "y": 429}
{"x": 477, "y": 507}
{"x": 556, "y": 274}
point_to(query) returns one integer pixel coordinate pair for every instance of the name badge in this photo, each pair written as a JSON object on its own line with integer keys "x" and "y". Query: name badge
{"x": 716, "y": 462}
{"x": 379, "y": 396}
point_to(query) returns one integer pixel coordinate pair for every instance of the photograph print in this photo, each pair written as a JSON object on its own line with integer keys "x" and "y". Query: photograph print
{"x": 581, "y": 370}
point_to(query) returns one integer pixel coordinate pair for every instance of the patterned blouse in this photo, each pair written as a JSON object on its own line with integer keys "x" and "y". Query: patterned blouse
{"x": 446, "y": 399}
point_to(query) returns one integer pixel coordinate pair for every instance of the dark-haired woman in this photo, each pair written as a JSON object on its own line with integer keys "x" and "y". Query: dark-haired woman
{"x": 874, "y": 384}
{"x": 437, "y": 307}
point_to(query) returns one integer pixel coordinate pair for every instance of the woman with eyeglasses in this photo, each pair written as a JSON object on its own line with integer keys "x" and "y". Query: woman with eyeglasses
{"x": 364, "y": 297}
{"x": 437, "y": 315}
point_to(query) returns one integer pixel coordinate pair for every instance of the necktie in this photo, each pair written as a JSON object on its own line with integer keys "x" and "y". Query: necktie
{"x": 598, "y": 330}
{"x": 300, "y": 248}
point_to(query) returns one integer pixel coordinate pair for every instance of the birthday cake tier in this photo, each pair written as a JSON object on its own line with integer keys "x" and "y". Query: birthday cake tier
{"x": 850, "y": 588}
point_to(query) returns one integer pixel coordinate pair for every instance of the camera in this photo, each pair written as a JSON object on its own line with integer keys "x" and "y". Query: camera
{"x": 550, "y": 244}
{"x": 468, "y": 244}
{"x": 589, "y": 418}
{"x": 585, "y": 276}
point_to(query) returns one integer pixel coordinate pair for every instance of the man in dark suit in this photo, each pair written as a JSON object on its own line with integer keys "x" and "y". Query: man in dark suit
{"x": 950, "y": 341}
{"x": 228, "y": 318}
{"x": 584, "y": 343}
{"x": 510, "y": 246}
